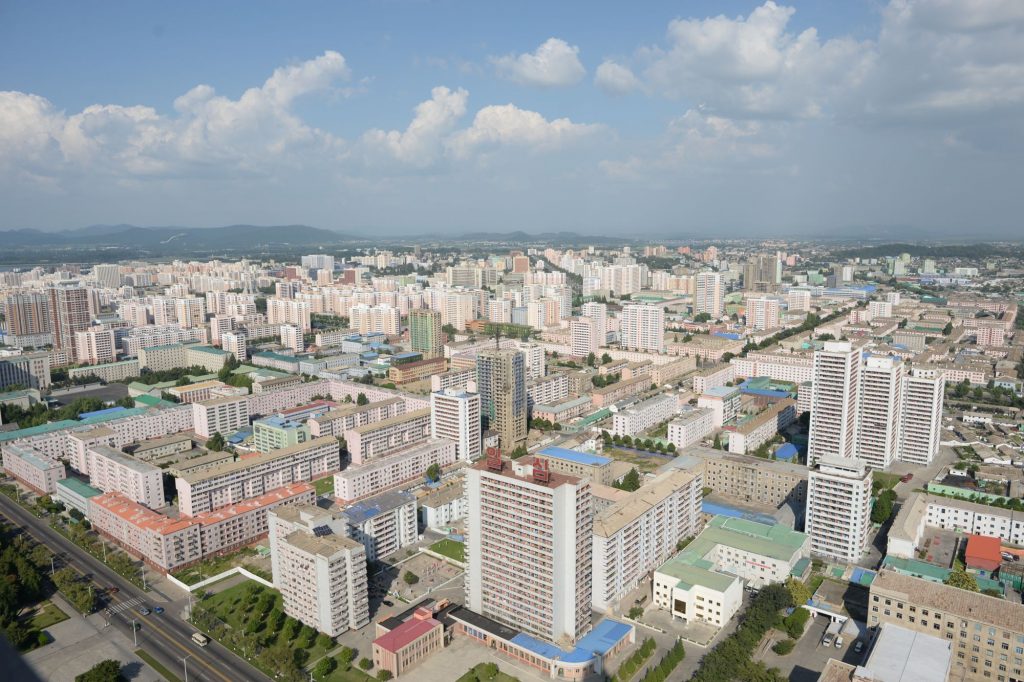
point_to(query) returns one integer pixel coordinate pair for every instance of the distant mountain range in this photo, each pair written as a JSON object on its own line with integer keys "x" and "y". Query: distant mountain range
{"x": 167, "y": 238}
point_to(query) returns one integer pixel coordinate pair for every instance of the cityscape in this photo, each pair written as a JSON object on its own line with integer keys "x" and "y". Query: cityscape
{"x": 473, "y": 414}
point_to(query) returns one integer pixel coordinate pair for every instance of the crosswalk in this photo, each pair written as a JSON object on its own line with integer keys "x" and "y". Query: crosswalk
{"x": 124, "y": 606}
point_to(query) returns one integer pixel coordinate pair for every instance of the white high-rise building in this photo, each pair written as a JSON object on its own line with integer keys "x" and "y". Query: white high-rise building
{"x": 320, "y": 572}
{"x": 763, "y": 313}
{"x": 95, "y": 346}
{"x": 235, "y": 343}
{"x": 190, "y": 312}
{"x": 499, "y": 311}
{"x": 375, "y": 319}
{"x": 583, "y": 336}
{"x": 455, "y": 415}
{"x": 643, "y": 327}
{"x": 318, "y": 261}
{"x": 799, "y": 300}
{"x": 709, "y": 294}
{"x": 533, "y": 360}
{"x": 838, "y": 508}
{"x": 107, "y": 276}
{"x": 291, "y": 337}
{"x": 835, "y": 401}
{"x": 921, "y": 419}
{"x": 218, "y": 325}
{"x": 529, "y": 547}
{"x": 598, "y": 312}
{"x": 878, "y": 416}
{"x": 287, "y": 311}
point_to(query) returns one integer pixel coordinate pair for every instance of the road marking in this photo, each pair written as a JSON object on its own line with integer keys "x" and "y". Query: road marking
{"x": 123, "y": 606}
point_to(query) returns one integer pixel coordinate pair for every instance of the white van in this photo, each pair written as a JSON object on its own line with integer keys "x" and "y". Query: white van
{"x": 200, "y": 639}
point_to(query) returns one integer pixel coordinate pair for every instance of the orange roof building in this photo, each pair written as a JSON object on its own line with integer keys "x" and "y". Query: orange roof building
{"x": 983, "y": 552}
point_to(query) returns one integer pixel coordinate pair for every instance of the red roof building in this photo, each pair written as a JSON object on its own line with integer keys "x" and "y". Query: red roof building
{"x": 983, "y": 552}
{"x": 400, "y": 649}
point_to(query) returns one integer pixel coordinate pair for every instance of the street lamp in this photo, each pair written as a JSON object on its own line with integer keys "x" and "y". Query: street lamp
{"x": 184, "y": 662}
{"x": 135, "y": 633}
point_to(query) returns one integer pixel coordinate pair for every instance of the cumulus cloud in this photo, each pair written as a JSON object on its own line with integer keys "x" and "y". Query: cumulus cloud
{"x": 421, "y": 143}
{"x": 507, "y": 124}
{"x": 615, "y": 78}
{"x": 555, "y": 63}
{"x": 208, "y": 130}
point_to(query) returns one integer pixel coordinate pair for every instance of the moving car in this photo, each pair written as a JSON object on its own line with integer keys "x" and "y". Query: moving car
{"x": 144, "y": 611}
{"x": 158, "y": 610}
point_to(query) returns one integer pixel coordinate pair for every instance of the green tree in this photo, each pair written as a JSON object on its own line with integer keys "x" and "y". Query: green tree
{"x": 384, "y": 675}
{"x": 410, "y": 578}
{"x": 591, "y": 359}
{"x": 962, "y": 579}
{"x": 882, "y": 510}
{"x": 629, "y": 482}
{"x": 605, "y": 358}
{"x": 324, "y": 667}
{"x": 346, "y": 655}
{"x": 636, "y": 612}
{"x": 717, "y": 445}
{"x": 104, "y": 671}
{"x": 798, "y": 591}
{"x": 434, "y": 472}
{"x": 215, "y": 443}
{"x": 365, "y": 663}
{"x": 361, "y": 399}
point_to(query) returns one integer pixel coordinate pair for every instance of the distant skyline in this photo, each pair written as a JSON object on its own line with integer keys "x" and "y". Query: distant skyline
{"x": 728, "y": 119}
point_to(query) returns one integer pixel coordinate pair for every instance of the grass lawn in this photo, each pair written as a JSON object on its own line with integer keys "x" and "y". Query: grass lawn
{"x": 230, "y": 606}
{"x": 478, "y": 673}
{"x": 643, "y": 463}
{"x": 211, "y": 567}
{"x": 48, "y": 614}
{"x": 157, "y": 666}
{"x": 450, "y": 548}
{"x": 352, "y": 674}
{"x": 324, "y": 486}
{"x": 887, "y": 481}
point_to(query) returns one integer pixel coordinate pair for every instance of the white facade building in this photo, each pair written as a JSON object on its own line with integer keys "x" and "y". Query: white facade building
{"x": 838, "y": 508}
{"x": 455, "y": 414}
{"x": 835, "y": 402}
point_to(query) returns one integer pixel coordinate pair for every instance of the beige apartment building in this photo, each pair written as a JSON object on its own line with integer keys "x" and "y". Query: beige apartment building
{"x": 337, "y": 422}
{"x": 986, "y": 633}
{"x": 255, "y": 475}
{"x": 384, "y": 437}
{"x": 111, "y": 470}
{"x": 220, "y": 415}
{"x": 750, "y": 479}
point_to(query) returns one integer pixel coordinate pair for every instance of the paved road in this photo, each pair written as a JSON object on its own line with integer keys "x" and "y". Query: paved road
{"x": 165, "y": 637}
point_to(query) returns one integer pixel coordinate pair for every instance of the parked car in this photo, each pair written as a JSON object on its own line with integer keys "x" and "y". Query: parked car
{"x": 839, "y": 642}
{"x": 858, "y": 647}
{"x": 387, "y": 602}
{"x": 113, "y": 590}
{"x": 827, "y": 639}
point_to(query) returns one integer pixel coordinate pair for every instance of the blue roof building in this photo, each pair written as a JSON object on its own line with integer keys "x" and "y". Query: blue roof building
{"x": 575, "y": 456}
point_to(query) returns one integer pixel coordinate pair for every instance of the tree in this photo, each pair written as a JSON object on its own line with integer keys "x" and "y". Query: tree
{"x": 882, "y": 510}
{"x": 800, "y": 592}
{"x": 346, "y": 655}
{"x": 434, "y": 472}
{"x": 717, "y": 445}
{"x": 636, "y": 612}
{"x": 104, "y": 671}
{"x": 215, "y": 443}
{"x": 410, "y": 578}
{"x": 591, "y": 359}
{"x": 384, "y": 675}
{"x": 324, "y": 667}
{"x": 962, "y": 579}
{"x": 605, "y": 358}
{"x": 365, "y": 663}
{"x": 629, "y": 482}
{"x": 361, "y": 399}
{"x": 948, "y": 329}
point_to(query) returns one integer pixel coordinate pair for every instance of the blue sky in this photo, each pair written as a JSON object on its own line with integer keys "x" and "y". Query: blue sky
{"x": 738, "y": 118}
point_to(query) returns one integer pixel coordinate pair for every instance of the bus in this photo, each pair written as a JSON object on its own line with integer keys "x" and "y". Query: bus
{"x": 200, "y": 639}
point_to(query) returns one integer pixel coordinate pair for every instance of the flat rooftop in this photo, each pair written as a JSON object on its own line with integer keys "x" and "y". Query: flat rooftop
{"x": 254, "y": 460}
{"x": 575, "y": 456}
{"x": 950, "y": 600}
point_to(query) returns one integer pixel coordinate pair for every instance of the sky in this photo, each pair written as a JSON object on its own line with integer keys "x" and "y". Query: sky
{"x": 832, "y": 118}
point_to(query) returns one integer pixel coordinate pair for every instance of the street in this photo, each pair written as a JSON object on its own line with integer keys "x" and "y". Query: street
{"x": 165, "y": 637}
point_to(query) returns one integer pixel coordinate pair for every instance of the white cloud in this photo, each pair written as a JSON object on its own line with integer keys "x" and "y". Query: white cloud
{"x": 555, "y": 63}
{"x": 421, "y": 143}
{"x": 209, "y": 130}
{"x": 615, "y": 78}
{"x": 507, "y": 124}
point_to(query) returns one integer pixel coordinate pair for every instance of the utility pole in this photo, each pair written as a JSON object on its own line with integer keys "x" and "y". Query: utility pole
{"x": 51, "y": 566}
{"x": 135, "y": 633}
{"x": 184, "y": 662}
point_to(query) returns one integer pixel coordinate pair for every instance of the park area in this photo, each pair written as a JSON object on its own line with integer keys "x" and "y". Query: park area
{"x": 247, "y": 557}
{"x": 451, "y": 549}
{"x": 249, "y": 619}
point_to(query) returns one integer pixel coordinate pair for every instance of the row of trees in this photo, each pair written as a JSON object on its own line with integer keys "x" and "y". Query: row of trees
{"x": 667, "y": 664}
{"x": 635, "y": 660}
{"x": 21, "y": 586}
{"x": 642, "y": 444}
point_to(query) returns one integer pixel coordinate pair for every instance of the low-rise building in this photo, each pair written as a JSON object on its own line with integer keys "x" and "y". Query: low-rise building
{"x": 443, "y": 507}
{"x": 398, "y": 650}
{"x": 33, "y": 469}
{"x": 337, "y": 422}
{"x": 704, "y": 582}
{"x": 580, "y": 464}
{"x": 76, "y": 495}
{"x": 691, "y": 427}
{"x": 751, "y": 434}
{"x": 750, "y": 479}
{"x": 644, "y": 415}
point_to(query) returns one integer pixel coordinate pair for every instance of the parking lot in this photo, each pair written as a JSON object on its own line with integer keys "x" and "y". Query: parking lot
{"x": 808, "y": 658}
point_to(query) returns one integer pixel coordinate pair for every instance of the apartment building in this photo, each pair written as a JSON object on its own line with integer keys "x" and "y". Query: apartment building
{"x": 338, "y": 421}
{"x": 404, "y": 466}
{"x": 455, "y": 379}
{"x": 546, "y": 390}
{"x": 384, "y": 523}
{"x": 409, "y": 372}
{"x": 836, "y": 400}
{"x": 111, "y": 470}
{"x": 752, "y": 480}
{"x": 763, "y": 313}
{"x": 95, "y": 346}
{"x": 32, "y": 469}
{"x": 691, "y": 427}
{"x": 529, "y": 547}
{"x": 109, "y": 372}
{"x": 235, "y": 343}
{"x": 796, "y": 368}
{"x": 986, "y": 633}
{"x": 169, "y": 544}
{"x": 704, "y": 582}
{"x": 443, "y": 507}
{"x": 724, "y": 403}
{"x": 320, "y": 572}
{"x": 152, "y": 336}
{"x": 384, "y": 437}
{"x": 27, "y": 369}
{"x": 501, "y": 382}
{"x": 204, "y": 390}
{"x": 455, "y": 415}
{"x": 220, "y": 415}
{"x": 920, "y": 418}
{"x": 642, "y": 327}
{"x": 838, "y": 508}
{"x": 583, "y": 332}
{"x": 288, "y": 311}
{"x": 715, "y": 376}
{"x": 644, "y": 415}
{"x": 425, "y": 334}
{"x": 627, "y": 388}
{"x": 253, "y": 476}
{"x": 636, "y": 535}
{"x": 709, "y": 294}
{"x": 923, "y": 511}
{"x": 878, "y": 413}
{"x": 751, "y": 434}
